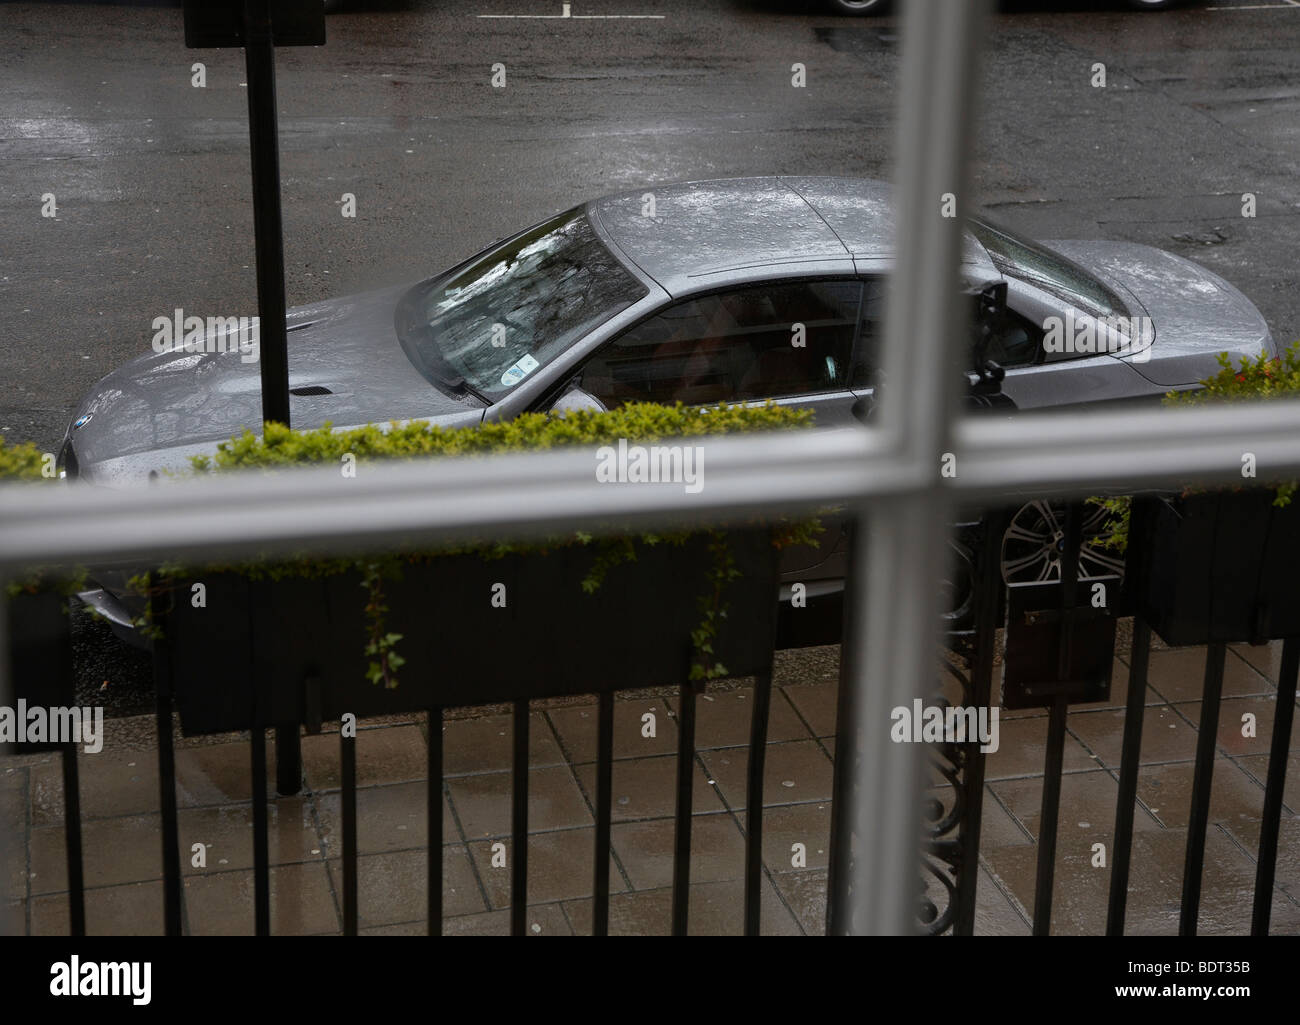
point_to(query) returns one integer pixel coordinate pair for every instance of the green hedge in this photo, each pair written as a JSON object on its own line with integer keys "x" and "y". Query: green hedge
{"x": 24, "y": 461}
{"x": 1259, "y": 379}
{"x": 20, "y": 462}
{"x": 636, "y": 423}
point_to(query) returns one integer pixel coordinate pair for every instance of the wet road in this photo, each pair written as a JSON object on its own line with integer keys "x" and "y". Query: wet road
{"x": 151, "y": 177}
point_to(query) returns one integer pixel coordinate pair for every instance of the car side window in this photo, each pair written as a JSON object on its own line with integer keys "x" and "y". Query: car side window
{"x": 1016, "y": 342}
{"x": 871, "y": 335}
{"x": 764, "y": 341}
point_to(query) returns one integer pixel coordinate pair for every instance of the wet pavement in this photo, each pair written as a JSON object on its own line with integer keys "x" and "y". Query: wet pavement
{"x": 122, "y": 840}
{"x": 151, "y": 174}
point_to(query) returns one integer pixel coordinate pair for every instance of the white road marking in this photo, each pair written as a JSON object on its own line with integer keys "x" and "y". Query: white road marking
{"x": 1283, "y": 6}
{"x": 583, "y": 17}
{"x": 566, "y": 12}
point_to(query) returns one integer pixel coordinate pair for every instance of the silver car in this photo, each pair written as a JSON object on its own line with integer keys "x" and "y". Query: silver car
{"x": 871, "y": 7}
{"x": 735, "y": 290}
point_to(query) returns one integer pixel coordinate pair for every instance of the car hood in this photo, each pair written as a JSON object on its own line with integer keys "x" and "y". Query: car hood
{"x": 1194, "y": 312}
{"x": 343, "y": 355}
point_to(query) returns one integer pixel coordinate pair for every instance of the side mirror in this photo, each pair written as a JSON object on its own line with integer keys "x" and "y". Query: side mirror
{"x": 984, "y": 387}
{"x": 984, "y": 379}
{"x": 577, "y": 399}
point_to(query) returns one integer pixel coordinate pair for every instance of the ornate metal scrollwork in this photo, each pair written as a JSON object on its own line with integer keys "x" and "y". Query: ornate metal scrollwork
{"x": 951, "y": 816}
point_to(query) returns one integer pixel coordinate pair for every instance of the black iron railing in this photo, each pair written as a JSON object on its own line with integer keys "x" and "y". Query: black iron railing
{"x": 1063, "y": 620}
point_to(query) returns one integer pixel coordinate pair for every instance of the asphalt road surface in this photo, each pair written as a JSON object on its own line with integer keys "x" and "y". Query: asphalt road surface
{"x": 151, "y": 186}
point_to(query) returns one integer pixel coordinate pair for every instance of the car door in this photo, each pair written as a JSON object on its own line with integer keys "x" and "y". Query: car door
{"x": 1014, "y": 344}
{"x": 791, "y": 341}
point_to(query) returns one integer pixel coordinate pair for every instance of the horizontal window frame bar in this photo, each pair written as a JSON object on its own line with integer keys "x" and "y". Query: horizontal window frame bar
{"x": 530, "y": 495}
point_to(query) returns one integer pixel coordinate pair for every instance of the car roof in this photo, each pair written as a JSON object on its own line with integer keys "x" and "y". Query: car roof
{"x": 707, "y": 233}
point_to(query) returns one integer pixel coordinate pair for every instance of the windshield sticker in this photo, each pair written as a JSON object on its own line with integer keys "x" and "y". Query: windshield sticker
{"x": 519, "y": 371}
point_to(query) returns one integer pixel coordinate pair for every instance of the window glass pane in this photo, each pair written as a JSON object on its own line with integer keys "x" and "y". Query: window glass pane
{"x": 1036, "y": 264}
{"x": 1015, "y": 343}
{"x": 872, "y": 335}
{"x": 516, "y": 308}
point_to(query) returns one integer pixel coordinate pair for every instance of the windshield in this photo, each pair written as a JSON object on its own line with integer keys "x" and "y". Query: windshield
{"x": 1037, "y": 265}
{"x": 492, "y": 323}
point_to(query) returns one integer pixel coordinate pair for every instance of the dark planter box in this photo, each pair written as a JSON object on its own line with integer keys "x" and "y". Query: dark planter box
{"x": 304, "y": 639}
{"x": 1219, "y": 567}
{"x": 40, "y": 658}
{"x": 1031, "y": 666}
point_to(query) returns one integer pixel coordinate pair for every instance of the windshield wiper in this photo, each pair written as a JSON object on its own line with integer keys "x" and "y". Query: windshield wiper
{"x": 417, "y": 339}
{"x": 465, "y": 386}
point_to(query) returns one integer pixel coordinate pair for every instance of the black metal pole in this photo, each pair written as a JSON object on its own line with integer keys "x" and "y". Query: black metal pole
{"x": 685, "y": 794}
{"x": 435, "y": 821}
{"x": 273, "y": 355}
{"x": 754, "y": 802}
{"x": 261, "y": 833}
{"x": 1049, "y": 815}
{"x": 171, "y": 857}
{"x": 1202, "y": 777}
{"x": 259, "y": 56}
{"x": 72, "y": 840}
{"x": 1277, "y": 758}
{"x": 604, "y": 798}
{"x": 1051, "y": 806}
{"x": 348, "y": 806}
{"x": 519, "y": 822}
{"x": 1129, "y": 764}
{"x": 288, "y": 759}
{"x": 259, "y": 597}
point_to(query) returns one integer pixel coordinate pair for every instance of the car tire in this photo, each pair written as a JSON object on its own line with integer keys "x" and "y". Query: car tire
{"x": 858, "y": 8}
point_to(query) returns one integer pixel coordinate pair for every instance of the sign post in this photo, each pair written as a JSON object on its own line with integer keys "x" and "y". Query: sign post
{"x": 259, "y": 26}
{"x": 259, "y": 57}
